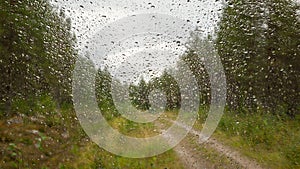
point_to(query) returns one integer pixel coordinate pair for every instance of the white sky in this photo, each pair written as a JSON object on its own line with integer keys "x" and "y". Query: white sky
{"x": 90, "y": 16}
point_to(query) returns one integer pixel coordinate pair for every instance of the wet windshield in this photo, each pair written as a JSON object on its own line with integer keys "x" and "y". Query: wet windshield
{"x": 149, "y": 84}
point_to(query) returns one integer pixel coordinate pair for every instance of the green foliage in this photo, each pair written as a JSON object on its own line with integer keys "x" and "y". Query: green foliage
{"x": 166, "y": 83}
{"x": 103, "y": 94}
{"x": 169, "y": 86}
{"x": 263, "y": 136}
{"x": 258, "y": 42}
{"x": 42, "y": 105}
{"x": 199, "y": 49}
{"x": 37, "y": 54}
{"x": 139, "y": 95}
{"x": 108, "y": 160}
{"x": 292, "y": 153}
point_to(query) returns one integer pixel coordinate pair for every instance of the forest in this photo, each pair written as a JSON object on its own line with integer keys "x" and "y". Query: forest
{"x": 259, "y": 47}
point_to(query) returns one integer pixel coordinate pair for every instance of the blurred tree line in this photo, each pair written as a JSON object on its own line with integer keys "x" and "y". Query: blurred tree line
{"x": 103, "y": 87}
{"x": 258, "y": 42}
{"x": 37, "y": 53}
{"x": 139, "y": 94}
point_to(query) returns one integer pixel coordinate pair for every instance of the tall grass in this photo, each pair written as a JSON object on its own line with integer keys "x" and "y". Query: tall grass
{"x": 271, "y": 139}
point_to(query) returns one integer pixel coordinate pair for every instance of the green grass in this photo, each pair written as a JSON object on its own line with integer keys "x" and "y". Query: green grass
{"x": 272, "y": 140}
{"x": 165, "y": 160}
{"x": 96, "y": 156}
{"x": 22, "y": 147}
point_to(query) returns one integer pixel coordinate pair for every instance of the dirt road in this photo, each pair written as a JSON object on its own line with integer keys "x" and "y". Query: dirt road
{"x": 211, "y": 154}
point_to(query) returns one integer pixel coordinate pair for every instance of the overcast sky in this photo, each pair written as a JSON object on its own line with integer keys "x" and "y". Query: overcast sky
{"x": 91, "y": 16}
{"x": 88, "y": 16}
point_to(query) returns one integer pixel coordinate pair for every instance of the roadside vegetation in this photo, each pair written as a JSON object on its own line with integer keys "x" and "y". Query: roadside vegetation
{"x": 270, "y": 139}
{"x": 259, "y": 51}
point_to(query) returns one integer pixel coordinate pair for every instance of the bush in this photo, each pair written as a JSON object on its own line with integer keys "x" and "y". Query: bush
{"x": 43, "y": 105}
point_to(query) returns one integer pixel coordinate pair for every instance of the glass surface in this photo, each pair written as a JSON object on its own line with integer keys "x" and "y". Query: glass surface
{"x": 149, "y": 84}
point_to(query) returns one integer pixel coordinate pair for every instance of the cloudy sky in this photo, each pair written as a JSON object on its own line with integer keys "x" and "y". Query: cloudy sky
{"x": 146, "y": 56}
{"x": 89, "y": 16}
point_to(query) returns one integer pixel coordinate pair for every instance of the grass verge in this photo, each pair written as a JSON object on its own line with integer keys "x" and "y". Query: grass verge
{"x": 273, "y": 140}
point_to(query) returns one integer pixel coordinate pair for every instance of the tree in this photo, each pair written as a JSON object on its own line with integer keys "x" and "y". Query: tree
{"x": 168, "y": 85}
{"x": 282, "y": 34}
{"x": 198, "y": 49}
{"x": 257, "y": 42}
{"x": 103, "y": 93}
{"x": 139, "y": 95}
{"x": 37, "y": 54}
